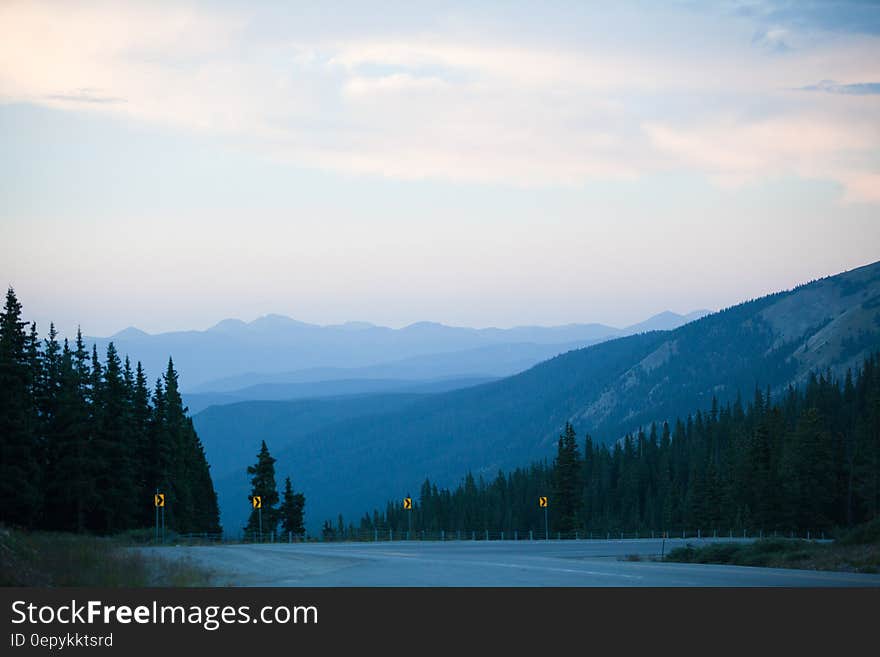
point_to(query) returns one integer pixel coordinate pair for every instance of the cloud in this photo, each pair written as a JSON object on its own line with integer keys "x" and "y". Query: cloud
{"x": 772, "y": 40}
{"x": 359, "y": 87}
{"x": 84, "y": 96}
{"x": 736, "y": 152}
{"x": 448, "y": 105}
{"x": 853, "y": 16}
{"x": 856, "y": 89}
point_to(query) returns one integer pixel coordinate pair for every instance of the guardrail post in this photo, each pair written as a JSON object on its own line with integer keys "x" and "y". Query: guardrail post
{"x": 516, "y": 535}
{"x": 531, "y": 535}
{"x": 487, "y": 534}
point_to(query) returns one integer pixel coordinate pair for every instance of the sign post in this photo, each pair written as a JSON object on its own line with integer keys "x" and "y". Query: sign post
{"x": 407, "y": 505}
{"x": 257, "y": 502}
{"x": 544, "y": 503}
{"x": 159, "y": 503}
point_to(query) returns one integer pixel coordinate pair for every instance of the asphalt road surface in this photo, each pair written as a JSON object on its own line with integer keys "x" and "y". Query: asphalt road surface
{"x": 481, "y": 563}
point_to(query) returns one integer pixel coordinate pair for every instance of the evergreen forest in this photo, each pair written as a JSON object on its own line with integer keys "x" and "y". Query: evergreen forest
{"x": 85, "y": 443}
{"x": 807, "y": 460}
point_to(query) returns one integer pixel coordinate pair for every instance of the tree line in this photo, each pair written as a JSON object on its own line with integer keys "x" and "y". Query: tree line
{"x": 84, "y": 444}
{"x": 808, "y": 460}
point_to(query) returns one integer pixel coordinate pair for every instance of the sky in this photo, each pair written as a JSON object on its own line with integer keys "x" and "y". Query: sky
{"x": 167, "y": 165}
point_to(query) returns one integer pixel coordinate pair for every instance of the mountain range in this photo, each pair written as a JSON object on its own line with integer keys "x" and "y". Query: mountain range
{"x": 349, "y": 454}
{"x": 276, "y": 349}
{"x": 330, "y": 388}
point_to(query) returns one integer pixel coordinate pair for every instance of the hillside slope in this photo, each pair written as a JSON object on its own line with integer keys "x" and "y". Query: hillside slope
{"x": 354, "y": 464}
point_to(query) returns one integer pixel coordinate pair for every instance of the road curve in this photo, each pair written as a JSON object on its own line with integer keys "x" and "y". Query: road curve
{"x": 480, "y": 563}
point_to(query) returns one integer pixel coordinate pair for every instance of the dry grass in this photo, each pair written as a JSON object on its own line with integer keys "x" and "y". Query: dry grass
{"x": 858, "y": 551}
{"x": 59, "y": 559}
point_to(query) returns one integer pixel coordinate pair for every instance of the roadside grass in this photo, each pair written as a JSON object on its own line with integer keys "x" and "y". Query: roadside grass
{"x": 855, "y": 551}
{"x": 55, "y": 559}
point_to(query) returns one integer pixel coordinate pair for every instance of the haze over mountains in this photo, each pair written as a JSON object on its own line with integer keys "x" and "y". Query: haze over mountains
{"x": 349, "y": 455}
{"x": 330, "y": 388}
{"x": 278, "y": 349}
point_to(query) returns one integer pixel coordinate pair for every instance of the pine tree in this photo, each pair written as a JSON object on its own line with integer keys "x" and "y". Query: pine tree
{"x": 49, "y": 387}
{"x": 20, "y": 496}
{"x": 567, "y": 490}
{"x": 113, "y": 441}
{"x": 179, "y": 439}
{"x": 158, "y": 463}
{"x": 206, "y": 512}
{"x": 263, "y": 486}
{"x": 291, "y": 510}
{"x": 70, "y": 489}
{"x": 144, "y": 464}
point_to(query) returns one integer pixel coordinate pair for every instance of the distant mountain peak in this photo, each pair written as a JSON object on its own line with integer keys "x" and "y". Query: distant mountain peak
{"x": 666, "y": 321}
{"x": 666, "y": 314}
{"x": 130, "y": 333}
{"x": 264, "y": 322}
{"x": 274, "y": 320}
{"x": 230, "y": 324}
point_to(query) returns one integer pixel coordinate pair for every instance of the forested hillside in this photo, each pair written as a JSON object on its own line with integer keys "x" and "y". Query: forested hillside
{"x": 807, "y": 460}
{"x": 84, "y": 444}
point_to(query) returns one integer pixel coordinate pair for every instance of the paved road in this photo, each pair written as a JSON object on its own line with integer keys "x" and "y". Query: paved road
{"x": 494, "y": 563}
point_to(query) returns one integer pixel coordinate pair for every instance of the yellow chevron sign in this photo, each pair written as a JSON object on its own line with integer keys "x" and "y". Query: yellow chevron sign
{"x": 407, "y": 503}
{"x": 159, "y": 499}
{"x": 542, "y": 502}
{"x": 257, "y": 502}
